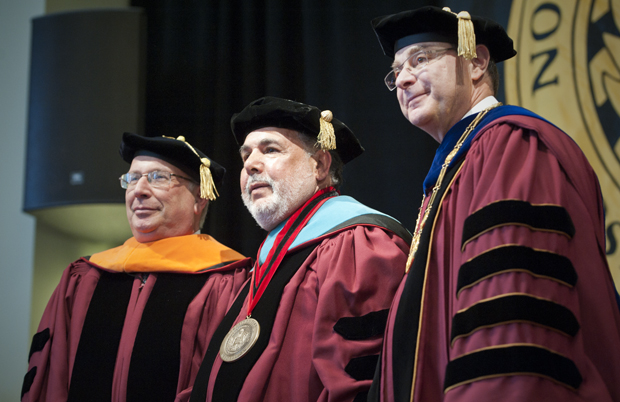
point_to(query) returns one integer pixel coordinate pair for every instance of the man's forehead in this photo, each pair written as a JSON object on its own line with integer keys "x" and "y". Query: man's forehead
{"x": 407, "y": 51}
{"x": 148, "y": 163}
{"x": 269, "y": 135}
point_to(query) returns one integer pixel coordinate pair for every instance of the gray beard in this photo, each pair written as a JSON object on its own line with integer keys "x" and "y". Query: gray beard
{"x": 288, "y": 195}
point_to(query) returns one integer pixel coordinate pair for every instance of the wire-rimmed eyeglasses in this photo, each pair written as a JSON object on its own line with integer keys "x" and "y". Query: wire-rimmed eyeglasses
{"x": 413, "y": 64}
{"x": 156, "y": 178}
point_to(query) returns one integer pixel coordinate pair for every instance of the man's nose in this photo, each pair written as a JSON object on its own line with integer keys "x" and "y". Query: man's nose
{"x": 405, "y": 79}
{"x": 142, "y": 187}
{"x": 253, "y": 162}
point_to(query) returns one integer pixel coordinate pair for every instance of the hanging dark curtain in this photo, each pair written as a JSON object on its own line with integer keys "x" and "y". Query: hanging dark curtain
{"x": 207, "y": 59}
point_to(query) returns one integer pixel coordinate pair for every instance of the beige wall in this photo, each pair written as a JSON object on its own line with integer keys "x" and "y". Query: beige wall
{"x": 16, "y": 227}
{"x": 54, "y": 250}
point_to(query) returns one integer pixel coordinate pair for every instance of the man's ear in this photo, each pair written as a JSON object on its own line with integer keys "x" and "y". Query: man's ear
{"x": 323, "y": 163}
{"x": 200, "y": 204}
{"x": 480, "y": 63}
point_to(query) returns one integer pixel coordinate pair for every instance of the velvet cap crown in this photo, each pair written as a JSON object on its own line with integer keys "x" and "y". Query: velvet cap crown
{"x": 171, "y": 150}
{"x": 432, "y": 24}
{"x": 270, "y": 111}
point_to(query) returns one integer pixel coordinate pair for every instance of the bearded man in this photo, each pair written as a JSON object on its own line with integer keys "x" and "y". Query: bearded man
{"x": 317, "y": 302}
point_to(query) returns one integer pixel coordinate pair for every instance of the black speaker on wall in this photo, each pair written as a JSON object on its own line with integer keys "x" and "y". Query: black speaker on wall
{"x": 86, "y": 88}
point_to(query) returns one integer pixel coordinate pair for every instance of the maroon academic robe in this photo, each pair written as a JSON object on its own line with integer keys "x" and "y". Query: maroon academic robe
{"x": 515, "y": 300}
{"x": 329, "y": 318}
{"x": 133, "y": 326}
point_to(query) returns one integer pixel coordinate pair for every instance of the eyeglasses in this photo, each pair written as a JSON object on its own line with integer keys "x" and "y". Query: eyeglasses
{"x": 156, "y": 178}
{"x": 414, "y": 63}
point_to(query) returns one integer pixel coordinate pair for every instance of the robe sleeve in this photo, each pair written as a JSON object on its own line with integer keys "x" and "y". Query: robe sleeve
{"x": 531, "y": 289}
{"x": 203, "y": 316}
{"x": 53, "y": 346}
{"x": 358, "y": 273}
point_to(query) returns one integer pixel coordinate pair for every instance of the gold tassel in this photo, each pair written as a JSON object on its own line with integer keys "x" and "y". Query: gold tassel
{"x": 207, "y": 186}
{"x": 466, "y": 35}
{"x": 327, "y": 137}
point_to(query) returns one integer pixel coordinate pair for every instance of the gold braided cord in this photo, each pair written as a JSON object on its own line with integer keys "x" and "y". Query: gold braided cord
{"x": 327, "y": 136}
{"x": 466, "y": 34}
{"x": 207, "y": 185}
{"x": 419, "y": 225}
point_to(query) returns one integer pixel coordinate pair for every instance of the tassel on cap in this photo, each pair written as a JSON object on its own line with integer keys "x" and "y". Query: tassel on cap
{"x": 466, "y": 33}
{"x": 207, "y": 186}
{"x": 327, "y": 137}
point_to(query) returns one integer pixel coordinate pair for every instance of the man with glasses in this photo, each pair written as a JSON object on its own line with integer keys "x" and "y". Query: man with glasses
{"x": 508, "y": 295}
{"x": 132, "y": 323}
{"x": 309, "y": 325}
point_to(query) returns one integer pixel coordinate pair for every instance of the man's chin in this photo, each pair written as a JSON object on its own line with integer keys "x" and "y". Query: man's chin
{"x": 145, "y": 235}
{"x": 265, "y": 214}
{"x": 415, "y": 116}
{"x": 263, "y": 203}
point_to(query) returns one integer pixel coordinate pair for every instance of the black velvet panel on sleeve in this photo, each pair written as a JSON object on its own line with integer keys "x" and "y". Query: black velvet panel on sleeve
{"x": 549, "y": 218}
{"x": 28, "y": 380}
{"x": 38, "y": 342}
{"x": 364, "y": 327}
{"x": 509, "y": 361}
{"x": 514, "y": 308}
{"x": 516, "y": 258}
{"x": 362, "y": 368}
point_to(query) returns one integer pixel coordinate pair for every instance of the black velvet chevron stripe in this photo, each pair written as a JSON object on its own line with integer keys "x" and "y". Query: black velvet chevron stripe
{"x": 28, "y": 380}
{"x": 514, "y": 308}
{"x": 362, "y": 368}
{"x": 514, "y": 212}
{"x": 364, "y": 327}
{"x": 511, "y": 258}
{"x": 512, "y": 360}
{"x": 38, "y": 342}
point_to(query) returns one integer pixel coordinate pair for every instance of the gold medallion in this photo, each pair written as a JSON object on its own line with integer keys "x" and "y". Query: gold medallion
{"x": 239, "y": 340}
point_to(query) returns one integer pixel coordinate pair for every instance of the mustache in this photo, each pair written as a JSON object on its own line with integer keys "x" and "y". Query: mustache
{"x": 258, "y": 178}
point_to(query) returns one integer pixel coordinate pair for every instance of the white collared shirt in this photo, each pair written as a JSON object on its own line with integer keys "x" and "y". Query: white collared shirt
{"x": 483, "y": 104}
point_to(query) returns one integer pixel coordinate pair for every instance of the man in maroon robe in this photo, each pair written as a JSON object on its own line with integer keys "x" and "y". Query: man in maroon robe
{"x": 508, "y": 296}
{"x": 309, "y": 325}
{"x": 132, "y": 323}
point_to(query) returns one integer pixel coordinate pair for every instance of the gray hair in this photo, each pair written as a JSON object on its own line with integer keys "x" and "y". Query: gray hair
{"x": 493, "y": 75}
{"x": 336, "y": 167}
{"x": 203, "y": 216}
